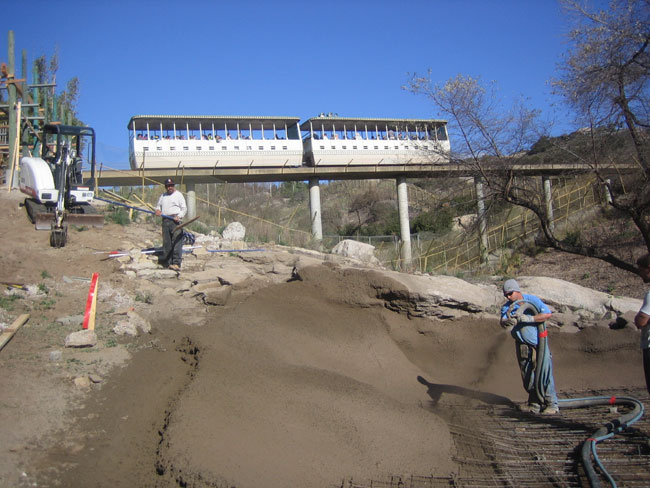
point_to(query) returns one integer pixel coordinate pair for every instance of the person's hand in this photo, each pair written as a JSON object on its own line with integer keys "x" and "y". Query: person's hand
{"x": 509, "y": 322}
{"x": 158, "y": 213}
{"x": 177, "y": 219}
{"x": 526, "y": 319}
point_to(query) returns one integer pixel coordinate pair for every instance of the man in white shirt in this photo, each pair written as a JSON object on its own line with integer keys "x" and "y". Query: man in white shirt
{"x": 171, "y": 205}
{"x": 642, "y": 318}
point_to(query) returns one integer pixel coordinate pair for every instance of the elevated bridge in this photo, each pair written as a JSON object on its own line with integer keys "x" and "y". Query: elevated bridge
{"x": 190, "y": 177}
{"x": 106, "y": 178}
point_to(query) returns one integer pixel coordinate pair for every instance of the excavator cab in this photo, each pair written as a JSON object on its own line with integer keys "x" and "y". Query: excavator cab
{"x": 54, "y": 182}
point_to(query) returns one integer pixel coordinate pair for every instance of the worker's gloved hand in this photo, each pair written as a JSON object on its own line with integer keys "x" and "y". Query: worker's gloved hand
{"x": 526, "y": 319}
{"x": 509, "y": 322}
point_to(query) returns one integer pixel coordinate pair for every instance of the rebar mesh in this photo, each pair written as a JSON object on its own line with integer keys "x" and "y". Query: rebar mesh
{"x": 498, "y": 446}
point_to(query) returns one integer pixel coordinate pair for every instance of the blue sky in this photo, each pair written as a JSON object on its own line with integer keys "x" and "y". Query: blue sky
{"x": 283, "y": 57}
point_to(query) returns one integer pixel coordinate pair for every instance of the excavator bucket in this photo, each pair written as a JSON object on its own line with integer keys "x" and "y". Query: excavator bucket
{"x": 44, "y": 220}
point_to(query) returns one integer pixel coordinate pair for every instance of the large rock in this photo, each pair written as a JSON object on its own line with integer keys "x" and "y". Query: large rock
{"x": 81, "y": 338}
{"x": 464, "y": 222}
{"x": 564, "y": 296}
{"x": 132, "y": 324}
{"x": 356, "y": 250}
{"x": 234, "y": 231}
{"x": 438, "y": 296}
{"x": 218, "y": 296}
{"x": 443, "y": 297}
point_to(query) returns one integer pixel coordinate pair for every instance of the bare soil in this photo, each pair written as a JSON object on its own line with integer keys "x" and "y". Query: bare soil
{"x": 304, "y": 383}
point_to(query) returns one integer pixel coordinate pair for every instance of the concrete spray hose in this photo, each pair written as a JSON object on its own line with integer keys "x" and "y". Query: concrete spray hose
{"x": 542, "y": 371}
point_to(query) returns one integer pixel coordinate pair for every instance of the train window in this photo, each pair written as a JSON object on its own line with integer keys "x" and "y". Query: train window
{"x": 198, "y": 148}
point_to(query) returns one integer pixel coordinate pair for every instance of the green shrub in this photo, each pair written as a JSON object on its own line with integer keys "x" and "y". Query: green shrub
{"x": 437, "y": 220}
{"x": 118, "y": 216}
{"x": 8, "y": 302}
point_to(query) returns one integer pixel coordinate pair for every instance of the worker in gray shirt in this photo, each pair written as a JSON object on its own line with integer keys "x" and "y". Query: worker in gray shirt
{"x": 171, "y": 205}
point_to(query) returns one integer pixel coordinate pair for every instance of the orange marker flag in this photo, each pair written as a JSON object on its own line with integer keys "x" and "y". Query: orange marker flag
{"x": 91, "y": 303}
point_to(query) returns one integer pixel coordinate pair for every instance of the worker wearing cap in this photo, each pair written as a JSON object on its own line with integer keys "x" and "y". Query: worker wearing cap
{"x": 642, "y": 319}
{"x": 171, "y": 205}
{"x": 524, "y": 331}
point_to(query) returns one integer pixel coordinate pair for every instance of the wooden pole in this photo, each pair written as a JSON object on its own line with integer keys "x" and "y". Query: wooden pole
{"x": 15, "y": 153}
{"x": 11, "y": 330}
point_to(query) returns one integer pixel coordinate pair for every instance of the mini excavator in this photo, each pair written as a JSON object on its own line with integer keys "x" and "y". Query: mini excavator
{"x": 54, "y": 182}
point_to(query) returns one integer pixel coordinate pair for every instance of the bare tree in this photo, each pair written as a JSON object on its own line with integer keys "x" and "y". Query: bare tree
{"x": 605, "y": 80}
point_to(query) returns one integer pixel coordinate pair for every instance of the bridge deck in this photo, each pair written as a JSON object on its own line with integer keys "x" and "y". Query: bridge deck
{"x": 257, "y": 175}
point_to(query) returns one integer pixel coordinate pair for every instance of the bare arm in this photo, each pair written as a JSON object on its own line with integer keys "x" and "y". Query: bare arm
{"x": 641, "y": 320}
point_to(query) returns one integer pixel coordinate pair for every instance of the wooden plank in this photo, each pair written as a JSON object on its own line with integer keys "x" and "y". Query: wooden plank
{"x": 11, "y": 330}
{"x": 180, "y": 227}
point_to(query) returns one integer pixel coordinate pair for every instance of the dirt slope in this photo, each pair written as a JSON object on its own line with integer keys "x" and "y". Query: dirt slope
{"x": 303, "y": 384}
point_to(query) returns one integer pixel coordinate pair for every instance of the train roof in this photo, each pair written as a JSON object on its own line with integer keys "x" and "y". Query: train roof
{"x": 168, "y": 121}
{"x": 330, "y": 122}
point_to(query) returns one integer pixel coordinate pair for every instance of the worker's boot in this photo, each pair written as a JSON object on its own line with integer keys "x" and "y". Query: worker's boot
{"x": 530, "y": 408}
{"x": 551, "y": 410}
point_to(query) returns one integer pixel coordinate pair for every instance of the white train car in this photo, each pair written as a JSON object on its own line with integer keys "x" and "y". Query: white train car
{"x": 176, "y": 141}
{"x": 344, "y": 141}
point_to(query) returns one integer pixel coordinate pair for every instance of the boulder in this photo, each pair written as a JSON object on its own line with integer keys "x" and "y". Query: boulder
{"x": 234, "y": 231}
{"x": 464, "y": 222}
{"x": 132, "y": 324}
{"x": 356, "y": 250}
{"x": 218, "y": 297}
{"x": 124, "y": 327}
{"x": 81, "y": 338}
{"x": 564, "y": 296}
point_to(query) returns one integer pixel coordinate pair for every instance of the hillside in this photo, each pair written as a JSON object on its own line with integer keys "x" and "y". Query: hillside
{"x": 282, "y": 382}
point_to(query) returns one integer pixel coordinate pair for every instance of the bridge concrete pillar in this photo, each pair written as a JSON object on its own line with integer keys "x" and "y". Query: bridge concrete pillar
{"x": 315, "y": 210}
{"x": 548, "y": 201}
{"x": 404, "y": 224}
{"x": 482, "y": 220}
{"x": 191, "y": 200}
